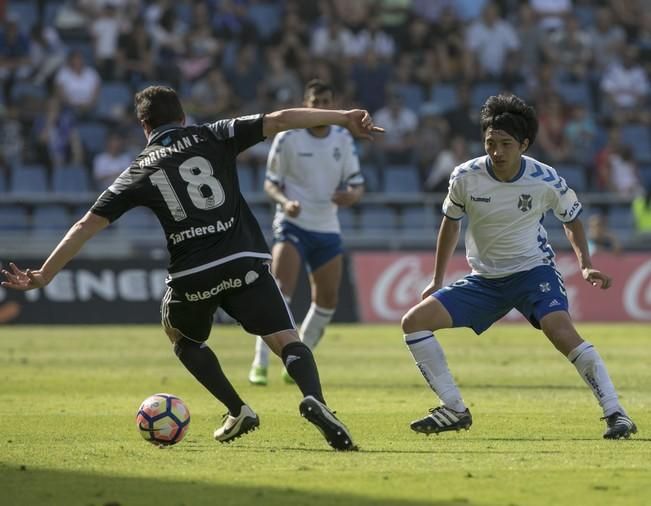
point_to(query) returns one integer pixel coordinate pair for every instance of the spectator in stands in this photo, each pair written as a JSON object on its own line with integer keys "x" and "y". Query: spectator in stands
{"x": 14, "y": 56}
{"x": 570, "y": 50}
{"x": 532, "y": 37}
{"x": 108, "y": 165}
{"x": 330, "y": 40}
{"x": 551, "y": 13}
{"x": 642, "y": 212}
{"x": 292, "y": 40}
{"x": 606, "y": 38}
{"x": 281, "y": 82}
{"x": 246, "y": 75}
{"x": 625, "y": 87}
{"x": 202, "y": 48}
{"x": 211, "y": 96}
{"x": 600, "y": 238}
{"x": 46, "y": 53}
{"x": 397, "y": 143}
{"x": 78, "y": 84}
{"x": 168, "y": 45}
{"x": 552, "y": 142}
{"x": 463, "y": 119}
{"x": 448, "y": 40}
{"x": 56, "y": 138}
{"x": 370, "y": 78}
{"x": 621, "y": 174}
{"x": 492, "y": 45}
{"x": 134, "y": 59}
{"x": 431, "y": 137}
{"x": 371, "y": 38}
{"x": 581, "y": 135}
{"x": 446, "y": 161}
{"x": 11, "y": 138}
{"x": 105, "y": 31}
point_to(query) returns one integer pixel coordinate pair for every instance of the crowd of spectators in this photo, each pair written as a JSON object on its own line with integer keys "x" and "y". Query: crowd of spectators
{"x": 423, "y": 67}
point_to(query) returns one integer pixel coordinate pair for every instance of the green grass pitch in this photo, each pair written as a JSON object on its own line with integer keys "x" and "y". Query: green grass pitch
{"x": 68, "y": 397}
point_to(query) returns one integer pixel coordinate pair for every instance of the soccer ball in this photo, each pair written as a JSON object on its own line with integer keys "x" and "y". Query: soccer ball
{"x": 163, "y": 419}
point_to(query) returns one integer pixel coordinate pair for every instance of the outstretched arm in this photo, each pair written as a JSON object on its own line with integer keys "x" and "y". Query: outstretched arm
{"x": 445, "y": 245}
{"x": 69, "y": 246}
{"x": 576, "y": 235}
{"x": 357, "y": 121}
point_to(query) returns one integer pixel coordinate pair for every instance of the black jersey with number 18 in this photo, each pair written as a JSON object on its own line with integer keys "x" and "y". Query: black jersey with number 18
{"x": 187, "y": 176}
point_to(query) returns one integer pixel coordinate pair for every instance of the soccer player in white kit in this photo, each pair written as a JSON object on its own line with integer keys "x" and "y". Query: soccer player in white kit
{"x": 505, "y": 196}
{"x": 310, "y": 174}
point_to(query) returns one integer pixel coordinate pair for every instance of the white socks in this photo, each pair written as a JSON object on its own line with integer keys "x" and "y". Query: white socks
{"x": 592, "y": 369}
{"x": 314, "y": 324}
{"x": 430, "y": 359}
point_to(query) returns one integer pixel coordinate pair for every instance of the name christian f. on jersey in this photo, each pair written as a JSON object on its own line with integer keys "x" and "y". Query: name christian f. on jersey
{"x": 505, "y": 231}
{"x": 310, "y": 169}
{"x": 187, "y": 176}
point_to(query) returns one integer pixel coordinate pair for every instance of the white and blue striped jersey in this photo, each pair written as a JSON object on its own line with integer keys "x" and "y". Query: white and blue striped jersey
{"x": 310, "y": 169}
{"x": 505, "y": 232}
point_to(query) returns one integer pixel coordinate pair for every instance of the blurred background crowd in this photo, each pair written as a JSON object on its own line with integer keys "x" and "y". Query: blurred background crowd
{"x": 69, "y": 68}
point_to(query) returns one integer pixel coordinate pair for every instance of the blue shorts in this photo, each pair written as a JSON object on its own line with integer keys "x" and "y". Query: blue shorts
{"x": 315, "y": 248}
{"x": 478, "y": 302}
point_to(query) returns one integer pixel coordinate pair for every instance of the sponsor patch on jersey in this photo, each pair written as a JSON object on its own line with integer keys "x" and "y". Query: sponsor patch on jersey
{"x": 227, "y": 284}
{"x": 478, "y": 199}
{"x": 545, "y": 287}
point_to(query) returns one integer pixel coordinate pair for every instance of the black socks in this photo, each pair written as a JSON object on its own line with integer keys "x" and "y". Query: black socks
{"x": 300, "y": 365}
{"x": 203, "y": 364}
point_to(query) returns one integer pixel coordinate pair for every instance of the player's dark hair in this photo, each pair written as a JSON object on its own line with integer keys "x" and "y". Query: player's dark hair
{"x": 317, "y": 87}
{"x": 158, "y": 105}
{"x": 510, "y": 114}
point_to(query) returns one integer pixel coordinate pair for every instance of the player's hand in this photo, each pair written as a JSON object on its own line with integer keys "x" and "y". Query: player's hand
{"x": 344, "y": 198}
{"x": 430, "y": 289}
{"x": 597, "y": 278}
{"x": 360, "y": 124}
{"x": 17, "y": 279}
{"x": 292, "y": 208}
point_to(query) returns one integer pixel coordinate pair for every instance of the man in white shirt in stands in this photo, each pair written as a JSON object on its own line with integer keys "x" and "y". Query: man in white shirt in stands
{"x": 310, "y": 174}
{"x": 505, "y": 196}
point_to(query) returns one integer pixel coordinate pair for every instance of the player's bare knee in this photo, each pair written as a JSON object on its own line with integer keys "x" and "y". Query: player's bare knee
{"x": 410, "y": 322}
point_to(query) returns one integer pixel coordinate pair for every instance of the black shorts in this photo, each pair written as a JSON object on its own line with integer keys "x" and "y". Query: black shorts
{"x": 244, "y": 288}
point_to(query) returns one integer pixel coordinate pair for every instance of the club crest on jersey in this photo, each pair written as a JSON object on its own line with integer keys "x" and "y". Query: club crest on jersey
{"x": 524, "y": 203}
{"x": 336, "y": 154}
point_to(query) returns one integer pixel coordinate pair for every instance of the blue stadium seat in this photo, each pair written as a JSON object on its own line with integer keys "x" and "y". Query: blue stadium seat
{"x": 417, "y": 218}
{"x": 574, "y": 176}
{"x": 51, "y": 218}
{"x": 248, "y": 180}
{"x": 645, "y": 176}
{"x": 621, "y": 219}
{"x": 70, "y": 179}
{"x": 266, "y": 16}
{"x": 3, "y": 183}
{"x": 639, "y": 139}
{"x": 412, "y": 96}
{"x": 445, "y": 96}
{"x": 377, "y": 218}
{"x": 23, "y": 90}
{"x": 372, "y": 180}
{"x": 138, "y": 219}
{"x": 402, "y": 179}
{"x": 93, "y": 136}
{"x": 114, "y": 97}
{"x": 481, "y": 91}
{"x": 575, "y": 93}
{"x": 29, "y": 179}
{"x": 25, "y": 12}
{"x": 14, "y": 218}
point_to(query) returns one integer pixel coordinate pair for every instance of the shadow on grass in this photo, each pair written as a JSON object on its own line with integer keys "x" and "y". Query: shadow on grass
{"x": 23, "y": 486}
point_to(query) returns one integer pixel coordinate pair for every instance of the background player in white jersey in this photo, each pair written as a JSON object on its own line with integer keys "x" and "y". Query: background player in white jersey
{"x": 505, "y": 195}
{"x": 310, "y": 174}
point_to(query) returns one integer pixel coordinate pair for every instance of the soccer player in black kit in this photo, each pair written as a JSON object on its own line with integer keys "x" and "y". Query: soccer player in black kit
{"x": 218, "y": 256}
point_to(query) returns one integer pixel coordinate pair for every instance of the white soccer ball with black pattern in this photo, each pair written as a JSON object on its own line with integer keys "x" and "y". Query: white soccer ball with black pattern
{"x": 163, "y": 419}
